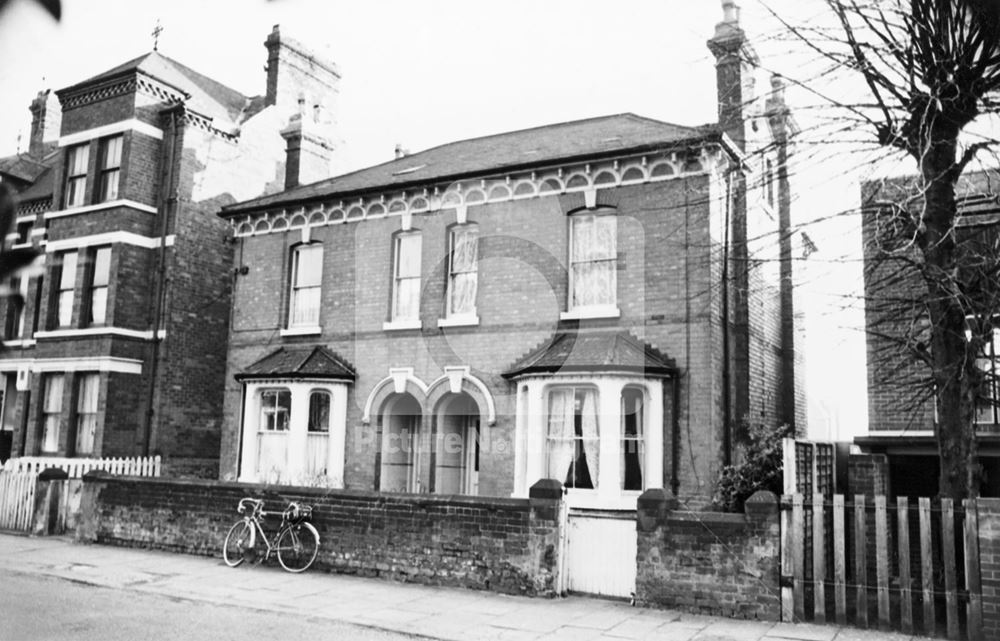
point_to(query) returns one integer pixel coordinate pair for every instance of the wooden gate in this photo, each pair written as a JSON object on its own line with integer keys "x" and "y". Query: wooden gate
{"x": 600, "y": 552}
{"x": 908, "y": 564}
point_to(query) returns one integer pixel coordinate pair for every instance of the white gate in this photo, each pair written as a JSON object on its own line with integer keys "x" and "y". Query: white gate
{"x": 17, "y": 500}
{"x": 600, "y": 552}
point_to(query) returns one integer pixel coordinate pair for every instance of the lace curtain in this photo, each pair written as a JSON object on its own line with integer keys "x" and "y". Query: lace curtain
{"x": 52, "y": 408}
{"x": 86, "y": 413}
{"x": 463, "y": 272}
{"x": 594, "y": 260}
{"x": 573, "y": 438}
{"x": 306, "y": 286}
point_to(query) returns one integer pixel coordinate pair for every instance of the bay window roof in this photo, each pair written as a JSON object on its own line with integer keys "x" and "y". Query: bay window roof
{"x": 299, "y": 363}
{"x": 597, "y": 351}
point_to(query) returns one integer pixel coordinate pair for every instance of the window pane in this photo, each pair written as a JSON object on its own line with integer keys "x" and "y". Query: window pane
{"x": 67, "y": 275}
{"x": 275, "y": 408}
{"x": 573, "y": 440}
{"x": 78, "y": 157}
{"x": 465, "y": 247}
{"x": 632, "y": 440}
{"x": 109, "y": 185}
{"x": 52, "y": 412}
{"x": 305, "y": 307}
{"x": 407, "y": 303}
{"x": 309, "y": 266}
{"x": 408, "y": 256}
{"x": 86, "y": 407}
{"x": 593, "y": 259}
{"x": 319, "y": 412}
{"x": 75, "y": 189}
{"x": 102, "y": 266}
{"x": 112, "y": 152}
{"x": 463, "y": 293}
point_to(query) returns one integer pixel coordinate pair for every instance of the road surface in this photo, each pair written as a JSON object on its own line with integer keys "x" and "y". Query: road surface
{"x": 36, "y": 608}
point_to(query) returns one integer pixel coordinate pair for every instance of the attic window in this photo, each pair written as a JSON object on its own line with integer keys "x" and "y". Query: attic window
{"x": 408, "y": 170}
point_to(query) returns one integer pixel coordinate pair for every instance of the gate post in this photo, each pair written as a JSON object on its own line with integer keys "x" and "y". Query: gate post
{"x": 48, "y": 492}
{"x": 548, "y": 518}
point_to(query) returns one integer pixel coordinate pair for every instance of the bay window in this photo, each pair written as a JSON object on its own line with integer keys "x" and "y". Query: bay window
{"x": 632, "y": 439}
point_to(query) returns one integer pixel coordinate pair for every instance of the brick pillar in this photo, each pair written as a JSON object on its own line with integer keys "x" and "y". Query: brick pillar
{"x": 49, "y": 487}
{"x": 93, "y": 483}
{"x": 547, "y": 537}
{"x": 989, "y": 564}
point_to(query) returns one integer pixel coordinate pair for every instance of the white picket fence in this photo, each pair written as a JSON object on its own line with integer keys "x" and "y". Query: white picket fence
{"x": 17, "y": 500}
{"x": 77, "y": 467}
{"x": 18, "y": 478}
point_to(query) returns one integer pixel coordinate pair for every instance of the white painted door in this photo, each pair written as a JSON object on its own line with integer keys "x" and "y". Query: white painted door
{"x": 600, "y": 552}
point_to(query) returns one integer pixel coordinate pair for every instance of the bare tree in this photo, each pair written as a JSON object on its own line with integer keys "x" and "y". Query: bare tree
{"x": 930, "y": 68}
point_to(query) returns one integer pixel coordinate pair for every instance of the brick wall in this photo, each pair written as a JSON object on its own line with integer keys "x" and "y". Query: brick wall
{"x": 989, "y": 563}
{"x": 504, "y": 545}
{"x": 868, "y": 474}
{"x": 707, "y": 562}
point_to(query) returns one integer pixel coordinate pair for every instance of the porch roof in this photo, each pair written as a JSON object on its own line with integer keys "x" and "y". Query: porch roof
{"x": 299, "y": 362}
{"x": 597, "y": 351}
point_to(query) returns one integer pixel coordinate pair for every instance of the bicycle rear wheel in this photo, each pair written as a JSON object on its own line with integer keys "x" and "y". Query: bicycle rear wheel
{"x": 237, "y": 543}
{"x": 298, "y": 547}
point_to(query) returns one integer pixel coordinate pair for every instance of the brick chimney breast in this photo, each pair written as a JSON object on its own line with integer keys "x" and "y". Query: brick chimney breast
{"x": 46, "y": 122}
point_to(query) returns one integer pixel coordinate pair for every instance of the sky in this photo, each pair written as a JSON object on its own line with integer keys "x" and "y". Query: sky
{"x": 425, "y": 72}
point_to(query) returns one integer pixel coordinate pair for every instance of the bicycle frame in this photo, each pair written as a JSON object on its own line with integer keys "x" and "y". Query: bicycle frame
{"x": 254, "y": 519}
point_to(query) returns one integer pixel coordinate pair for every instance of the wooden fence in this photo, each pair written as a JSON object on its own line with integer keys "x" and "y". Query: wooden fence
{"x": 77, "y": 467}
{"x": 907, "y": 565}
{"x": 17, "y": 500}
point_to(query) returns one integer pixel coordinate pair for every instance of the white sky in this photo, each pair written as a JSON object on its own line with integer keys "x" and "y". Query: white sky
{"x": 426, "y": 72}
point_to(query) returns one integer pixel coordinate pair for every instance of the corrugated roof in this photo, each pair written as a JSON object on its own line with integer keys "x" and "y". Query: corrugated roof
{"x": 299, "y": 362}
{"x": 596, "y": 351}
{"x": 477, "y": 156}
{"x": 208, "y": 97}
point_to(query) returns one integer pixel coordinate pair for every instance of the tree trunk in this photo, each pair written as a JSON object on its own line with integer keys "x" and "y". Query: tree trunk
{"x": 953, "y": 360}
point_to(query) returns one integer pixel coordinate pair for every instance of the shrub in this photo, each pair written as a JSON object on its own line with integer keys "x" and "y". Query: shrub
{"x": 759, "y": 469}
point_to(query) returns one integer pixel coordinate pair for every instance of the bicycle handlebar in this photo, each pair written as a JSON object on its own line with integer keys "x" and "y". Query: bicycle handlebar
{"x": 256, "y": 506}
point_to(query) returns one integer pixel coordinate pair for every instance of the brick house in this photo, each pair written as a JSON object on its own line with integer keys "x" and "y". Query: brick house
{"x": 901, "y": 412}
{"x": 120, "y": 349}
{"x": 598, "y": 302}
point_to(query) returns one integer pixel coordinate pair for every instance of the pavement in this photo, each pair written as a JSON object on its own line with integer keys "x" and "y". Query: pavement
{"x": 416, "y": 610}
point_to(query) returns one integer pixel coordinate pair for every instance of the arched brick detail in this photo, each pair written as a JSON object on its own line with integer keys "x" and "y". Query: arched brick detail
{"x": 387, "y": 387}
{"x": 441, "y": 388}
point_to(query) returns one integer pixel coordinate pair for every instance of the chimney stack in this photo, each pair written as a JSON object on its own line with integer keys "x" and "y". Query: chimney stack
{"x": 46, "y": 120}
{"x": 400, "y": 151}
{"x": 308, "y": 153}
{"x": 735, "y": 60}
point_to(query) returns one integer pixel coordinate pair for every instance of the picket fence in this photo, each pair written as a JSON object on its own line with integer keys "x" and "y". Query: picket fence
{"x": 843, "y": 565}
{"x": 19, "y": 476}
{"x": 77, "y": 467}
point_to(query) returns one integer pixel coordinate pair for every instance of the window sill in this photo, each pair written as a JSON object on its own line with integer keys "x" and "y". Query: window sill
{"x": 19, "y": 342}
{"x": 459, "y": 321}
{"x": 302, "y": 331}
{"x": 392, "y": 326}
{"x": 607, "y": 311}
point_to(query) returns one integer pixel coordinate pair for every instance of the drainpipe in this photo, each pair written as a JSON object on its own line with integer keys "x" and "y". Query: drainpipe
{"x": 675, "y": 437}
{"x": 727, "y": 409}
{"x": 168, "y": 204}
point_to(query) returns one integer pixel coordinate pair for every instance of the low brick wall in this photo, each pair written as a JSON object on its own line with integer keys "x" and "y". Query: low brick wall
{"x": 709, "y": 562}
{"x": 504, "y": 545}
{"x": 989, "y": 563}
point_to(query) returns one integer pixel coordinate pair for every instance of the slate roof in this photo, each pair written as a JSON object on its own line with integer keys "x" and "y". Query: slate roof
{"x": 578, "y": 139}
{"x": 600, "y": 351}
{"x": 207, "y": 96}
{"x": 299, "y": 362}
{"x": 22, "y": 167}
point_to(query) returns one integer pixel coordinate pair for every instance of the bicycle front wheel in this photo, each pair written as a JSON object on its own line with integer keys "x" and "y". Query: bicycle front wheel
{"x": 298, "y": 547}
{"x": 237, "y": 543}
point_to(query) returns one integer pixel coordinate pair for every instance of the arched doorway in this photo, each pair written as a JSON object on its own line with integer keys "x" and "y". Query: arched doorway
{"x": 400, "y": 448}
{"x": 455, "y": 460}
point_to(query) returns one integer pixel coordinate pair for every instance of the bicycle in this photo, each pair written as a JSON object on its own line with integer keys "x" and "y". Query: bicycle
{"x": 296, "y": 543}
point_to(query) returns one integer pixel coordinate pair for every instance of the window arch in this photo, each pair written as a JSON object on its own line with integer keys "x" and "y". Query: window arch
{"x": 593, "y": 259}
{"x": 305, "y": 286}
